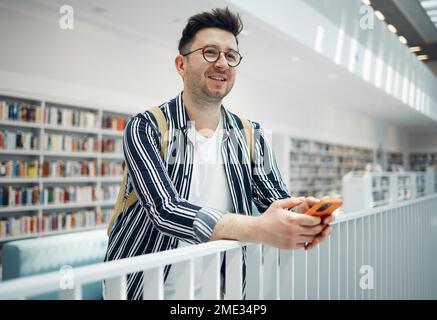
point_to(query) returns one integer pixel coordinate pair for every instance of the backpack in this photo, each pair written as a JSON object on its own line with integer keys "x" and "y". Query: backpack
{"x": 122, "y": 203}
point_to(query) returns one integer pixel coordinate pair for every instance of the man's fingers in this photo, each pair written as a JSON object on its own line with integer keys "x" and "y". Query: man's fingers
{"x": 306, "y": 220}
{"x": 312, "y": 201}
{"x": 329, "y": 219}
{"x": 289, "y": 202}
{"x": 326, "y": 232}
{"x": 312, "y": 230}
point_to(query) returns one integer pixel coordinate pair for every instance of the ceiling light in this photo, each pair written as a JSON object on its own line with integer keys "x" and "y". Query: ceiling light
{"x": 379, "y": 15}
{"x": 428, "y": 4}
{"x": 403, "y": 40}
{"x": 434, "y": 19}
{"x": 423, "y": 57}
{"x": 415, "y": 49}
{"x": 366, "y": 2}
{"x": 392, "y": 28}
{"x": 432, "y": 13}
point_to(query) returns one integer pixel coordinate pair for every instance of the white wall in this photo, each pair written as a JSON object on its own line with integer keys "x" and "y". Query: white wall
{"x": 96, "y": 67}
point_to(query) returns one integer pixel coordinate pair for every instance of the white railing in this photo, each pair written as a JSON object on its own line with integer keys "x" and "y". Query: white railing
{"x": 384, "y": 253}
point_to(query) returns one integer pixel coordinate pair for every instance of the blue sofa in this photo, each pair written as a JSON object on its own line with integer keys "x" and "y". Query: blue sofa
{"x": 28, "y": 257}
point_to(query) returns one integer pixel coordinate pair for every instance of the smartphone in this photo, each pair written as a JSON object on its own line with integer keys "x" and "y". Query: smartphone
{"x": 325, "y": 207}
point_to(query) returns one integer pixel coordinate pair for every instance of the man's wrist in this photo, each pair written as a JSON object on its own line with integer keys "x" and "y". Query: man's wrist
{"x": 239, "y": 227}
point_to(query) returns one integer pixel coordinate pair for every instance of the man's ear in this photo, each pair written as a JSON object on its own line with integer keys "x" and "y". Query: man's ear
{"x": 180, "y": 65}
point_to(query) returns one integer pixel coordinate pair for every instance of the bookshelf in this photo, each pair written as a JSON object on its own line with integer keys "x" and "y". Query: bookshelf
{"x": 374, "y": 189}
{"x": 60, "y": 166}
{"x": 431, "y": 180}
{"x": 315, "y": 168}
{"x": 394, "y": 161}
{"x": 419, "y": 161}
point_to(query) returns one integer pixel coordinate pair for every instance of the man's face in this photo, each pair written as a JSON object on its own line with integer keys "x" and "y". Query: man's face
{"x": 210, "y": 81}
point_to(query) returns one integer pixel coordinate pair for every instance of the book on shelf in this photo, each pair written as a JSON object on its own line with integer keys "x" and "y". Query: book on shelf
{"x": 112, "y": 145}
{"x": 70, "y": 194}
{"x": 69, "y": 168}
{"x": 70, "y": 143}
{"x": 117, "y": 123}
{"x": 19, "y": 196}
{"x": 52, "y": 222}
{"x": 20, "y": 111}
{"x": 18, "y": 140}
{"x": 19, "y": 169}
{"x": 111, "y": 168}
{"x": 65, "y": 117}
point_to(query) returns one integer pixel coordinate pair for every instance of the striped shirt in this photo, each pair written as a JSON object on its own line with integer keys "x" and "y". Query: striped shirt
{"x": 162, "y": 215}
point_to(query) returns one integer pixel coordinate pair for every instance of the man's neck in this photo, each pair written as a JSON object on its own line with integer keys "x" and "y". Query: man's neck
{"x": 205, "y": 114}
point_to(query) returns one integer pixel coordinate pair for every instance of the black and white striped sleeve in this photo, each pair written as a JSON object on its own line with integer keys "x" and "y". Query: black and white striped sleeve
{"x": 170, "y": 213}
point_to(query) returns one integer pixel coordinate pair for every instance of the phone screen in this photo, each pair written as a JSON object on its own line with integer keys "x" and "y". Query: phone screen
{"x": 324, "y": 207}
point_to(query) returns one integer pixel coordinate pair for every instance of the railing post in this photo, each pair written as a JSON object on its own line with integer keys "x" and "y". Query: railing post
{"x": 255, "y": 273}
{"x": 116, "y": 288}
{"x": 271, "y": 273}
{"x": 184, "y": 280}
{"x": 71, "y": 294}
{"x": 211, "y": 277}
{"x": 234, "y": 276}
{"x": 153, "y": 284}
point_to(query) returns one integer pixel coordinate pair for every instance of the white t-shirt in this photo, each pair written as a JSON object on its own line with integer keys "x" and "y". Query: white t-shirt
{"x": 209, "y": 188}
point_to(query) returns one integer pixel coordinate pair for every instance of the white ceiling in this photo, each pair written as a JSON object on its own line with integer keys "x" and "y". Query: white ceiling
{"x": 270, "y": 57}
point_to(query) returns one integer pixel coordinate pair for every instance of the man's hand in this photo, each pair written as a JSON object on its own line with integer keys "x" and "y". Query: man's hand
{"x": 327, "y": 230}
{"x": 283, "y": 229}
{"x": 277, "y": 226}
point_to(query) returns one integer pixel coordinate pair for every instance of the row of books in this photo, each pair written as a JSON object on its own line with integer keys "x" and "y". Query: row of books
{"x": 312, "y": 146}
{"x": 70, "y": 143}
{"x": 69, "y": 168}
{"x": 18, "y": 140}
{"x": 22, "y": 196}
{"x": 71, "y": 118}
{"x": 114, "y": 122}
{"x": 111, "y": 168}
{"x": 110, "y": 192}
{"x": 58, "y": 168}
{"x": 19, "y": 168}
{"x": 20, "y": 111}
{"x": 52, "y": 222}
{"x": 70, "y": 194}
{"x": 112, "y": 145}
{"x": 305, "y": 160}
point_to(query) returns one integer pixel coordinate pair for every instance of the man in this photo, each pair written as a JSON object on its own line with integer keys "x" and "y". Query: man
{"x": 208, "y": 174}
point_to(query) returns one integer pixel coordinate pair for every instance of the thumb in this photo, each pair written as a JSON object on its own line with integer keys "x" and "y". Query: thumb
{"x": 289, "y": 202}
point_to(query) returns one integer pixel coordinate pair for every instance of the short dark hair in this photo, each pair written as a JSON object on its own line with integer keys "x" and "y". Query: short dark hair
{"x": 218, "y": 18}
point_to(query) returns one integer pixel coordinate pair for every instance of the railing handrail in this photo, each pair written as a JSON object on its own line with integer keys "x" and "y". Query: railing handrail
{"x": 363, "y": 213}
{"x": 12, "y": 289}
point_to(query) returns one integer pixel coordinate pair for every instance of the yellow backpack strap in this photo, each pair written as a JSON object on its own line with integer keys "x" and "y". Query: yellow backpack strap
{"x": 248, "y": 130}
{"x": 122, "y": 203}
{"x": 163, "y": 129}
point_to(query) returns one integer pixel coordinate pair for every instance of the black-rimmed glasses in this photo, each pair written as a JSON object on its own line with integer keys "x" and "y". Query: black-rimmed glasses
{"x": 212, "y": 54}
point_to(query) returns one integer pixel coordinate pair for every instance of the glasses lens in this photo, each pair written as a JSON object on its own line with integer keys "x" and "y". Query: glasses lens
{"x": 233, "y": 58}
{"x": 211, "y": 54}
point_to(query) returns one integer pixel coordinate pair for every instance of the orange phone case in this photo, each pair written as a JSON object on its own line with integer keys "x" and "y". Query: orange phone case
{"x": 325, "y": 207}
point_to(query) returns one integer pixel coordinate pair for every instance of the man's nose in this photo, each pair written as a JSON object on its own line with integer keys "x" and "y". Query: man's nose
{"x": 222, "y": 62}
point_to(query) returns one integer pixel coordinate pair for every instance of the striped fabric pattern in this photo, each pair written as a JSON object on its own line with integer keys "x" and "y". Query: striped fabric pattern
{"x": 162, "y": 215}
